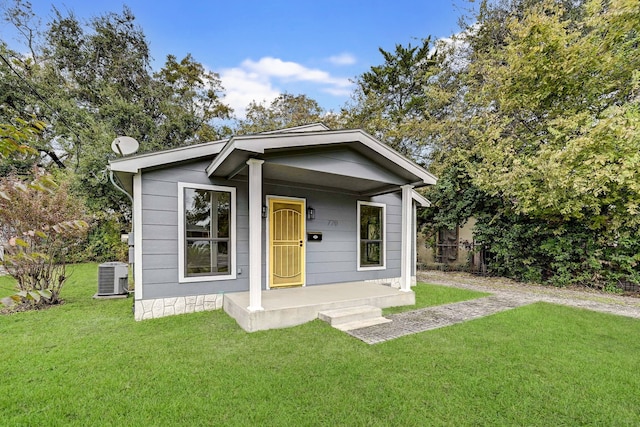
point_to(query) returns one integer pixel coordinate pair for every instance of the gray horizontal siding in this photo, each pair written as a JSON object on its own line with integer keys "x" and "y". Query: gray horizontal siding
{"x": 160, "y": 188}
{"x": 333, "y": 260}
{"x": 154, "y": 231}
{"x": 160, "y": 261}
{"x": 170, "y": 290}
{"x": 394, "y": 236}
{"x": 340, "y": 277}
{"x": 338, "y": 256}
{"x": 319, "y": 267}
{"x": 159, "y": 203}
{"x": 160, "y": 233}
{"x": 160, "y": 246}
{"x": 156, "y": 217}
{"x": 152, "y": 277}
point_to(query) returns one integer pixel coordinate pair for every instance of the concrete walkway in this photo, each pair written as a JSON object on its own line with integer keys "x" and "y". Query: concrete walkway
{"x": 506, "y": 295}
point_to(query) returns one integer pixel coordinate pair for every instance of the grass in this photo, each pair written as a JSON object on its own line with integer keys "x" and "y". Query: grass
{"x": 88, "y": 363}
{"x": 432, "y": 295}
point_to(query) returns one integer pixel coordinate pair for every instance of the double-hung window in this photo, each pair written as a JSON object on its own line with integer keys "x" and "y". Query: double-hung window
{"x": 206, "y": 224}
{"x": 371, "y": 235}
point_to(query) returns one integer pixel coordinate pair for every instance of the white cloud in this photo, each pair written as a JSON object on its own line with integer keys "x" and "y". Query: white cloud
{"x": 342, "y": 59}
{"x": 241, "y": 87}
{"x": 265, "y": 79}
{"x": 456, "y": 47}
{"x": 275, "y": 67}
{"x": 341, "y": 92}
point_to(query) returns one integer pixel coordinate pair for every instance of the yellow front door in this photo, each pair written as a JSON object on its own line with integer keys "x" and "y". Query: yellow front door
{"x": 286, "y": 242}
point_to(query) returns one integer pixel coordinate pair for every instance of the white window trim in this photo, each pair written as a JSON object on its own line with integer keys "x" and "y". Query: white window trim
{"x": 182, "y": 278}
{"x": 137, "y": 237}
{"x": 384, "y": 237}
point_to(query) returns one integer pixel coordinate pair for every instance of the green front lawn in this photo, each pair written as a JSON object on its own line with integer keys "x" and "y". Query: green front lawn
{"x": 432, "y": 295}
{"x": 88, "y": 362}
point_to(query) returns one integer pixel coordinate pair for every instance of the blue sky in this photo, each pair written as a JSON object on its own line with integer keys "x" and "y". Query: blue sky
{"x": 263, "y": 48}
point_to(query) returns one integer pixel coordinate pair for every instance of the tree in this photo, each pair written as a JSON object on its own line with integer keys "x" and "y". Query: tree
{"x": 39, "y": 223}
{"x": 390, "y": 101}
{"x": 557, "y": 116}
{"x": 547, "y": 99}
{"x": 191, "y": 100}
{"x": 285, "y": 111}
{"x": 18, "y": 108}
{"x": 92, "y": 82}
{"x": 14, "y": 139}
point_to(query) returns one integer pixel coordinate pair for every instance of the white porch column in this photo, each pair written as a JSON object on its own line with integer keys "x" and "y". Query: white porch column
{"x": 414, "y": 241}
{"x": 255, "y": 234}
{"x": 407, "y": 241}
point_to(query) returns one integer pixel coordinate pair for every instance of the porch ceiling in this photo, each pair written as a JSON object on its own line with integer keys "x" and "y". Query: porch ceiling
{"x": 282, "y": 174}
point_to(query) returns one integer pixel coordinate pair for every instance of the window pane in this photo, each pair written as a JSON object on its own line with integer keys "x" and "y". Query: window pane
{"x": 222, "y": 258}
{"x": 197, "y": 208}
{"x": 205, "y": 258}
{"x": 371, "y": 222}
{"x": 198, "y": 258}
{"x": 370, "y": 253}
{"x": 222, "y": 201}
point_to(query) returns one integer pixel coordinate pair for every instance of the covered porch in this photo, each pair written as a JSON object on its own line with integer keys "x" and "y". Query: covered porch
{"x": 283, "y": 308}
{"x": 355, "y": 167}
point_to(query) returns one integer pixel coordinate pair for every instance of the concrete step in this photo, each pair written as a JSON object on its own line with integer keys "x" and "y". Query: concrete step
{"x": 357, "y": 324}
{"x": 350, "y": 316}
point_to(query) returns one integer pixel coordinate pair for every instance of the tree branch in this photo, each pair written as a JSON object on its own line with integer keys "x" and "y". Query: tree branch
{"x": 53, "y": 157}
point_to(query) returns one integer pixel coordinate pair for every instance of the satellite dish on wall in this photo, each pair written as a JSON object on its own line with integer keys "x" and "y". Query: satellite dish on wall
{"x": 124, "y": 145}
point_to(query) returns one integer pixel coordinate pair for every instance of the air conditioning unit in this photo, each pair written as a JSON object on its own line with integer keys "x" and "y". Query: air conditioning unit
{"x": 113, "y": 278}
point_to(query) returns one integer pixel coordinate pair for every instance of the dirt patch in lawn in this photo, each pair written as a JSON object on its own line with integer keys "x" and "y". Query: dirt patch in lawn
{"x": 21, "y": 308}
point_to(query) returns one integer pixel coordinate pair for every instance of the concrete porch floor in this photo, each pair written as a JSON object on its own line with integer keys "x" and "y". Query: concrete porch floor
{"x": 294, "y": 306}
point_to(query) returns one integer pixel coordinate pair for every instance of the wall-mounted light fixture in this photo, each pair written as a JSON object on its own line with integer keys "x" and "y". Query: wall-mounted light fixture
{"x": 264, "y": 211}
{"x": 311, "y": 213}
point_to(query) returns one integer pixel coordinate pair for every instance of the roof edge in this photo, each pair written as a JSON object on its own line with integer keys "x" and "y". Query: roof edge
{"x": 423, "y": 201}
{"x": 133, "y": 164}
{"x": 311, "y": 127}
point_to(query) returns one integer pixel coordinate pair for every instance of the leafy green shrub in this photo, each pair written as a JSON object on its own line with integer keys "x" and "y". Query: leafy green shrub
{"x": 103, "y": 242}
{"x": 548, "y": 249}
{"x": 562, "y": 254}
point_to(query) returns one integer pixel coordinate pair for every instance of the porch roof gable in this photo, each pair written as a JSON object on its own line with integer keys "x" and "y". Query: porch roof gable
{"x": 240, "y": 148}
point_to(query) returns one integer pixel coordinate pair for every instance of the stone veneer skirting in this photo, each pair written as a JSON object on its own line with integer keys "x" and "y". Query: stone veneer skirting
{"x": 394, "y": 282}
{"x": 161, "y": 307}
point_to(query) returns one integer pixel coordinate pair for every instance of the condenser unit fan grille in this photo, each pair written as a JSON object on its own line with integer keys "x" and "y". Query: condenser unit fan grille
{"x": 112, "y": 278}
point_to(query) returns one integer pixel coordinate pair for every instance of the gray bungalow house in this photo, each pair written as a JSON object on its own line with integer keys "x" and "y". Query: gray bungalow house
{"x": 248, "y": 215}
